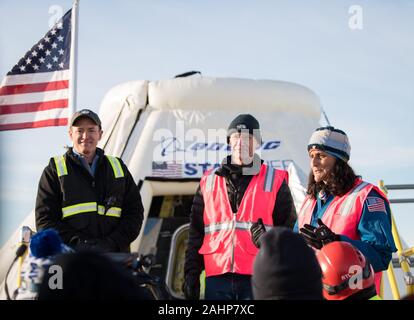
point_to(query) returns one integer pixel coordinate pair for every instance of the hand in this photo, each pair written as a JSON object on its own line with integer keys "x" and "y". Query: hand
{"x": 191, "y": 286}
{"x": 257, "y": 230}
{"x": 308, "y": 233}
{"x": 325, "y": 234}
{"x": 319, "y": 236}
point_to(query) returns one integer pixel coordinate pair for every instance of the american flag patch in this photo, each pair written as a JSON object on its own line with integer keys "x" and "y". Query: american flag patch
{"x": 167, "y": 169}
{"x": 375, "y": 204}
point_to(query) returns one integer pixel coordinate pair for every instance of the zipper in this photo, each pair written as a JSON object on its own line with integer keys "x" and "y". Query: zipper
{"x": 235, "y": 191}
{"x": 233, "y": 240}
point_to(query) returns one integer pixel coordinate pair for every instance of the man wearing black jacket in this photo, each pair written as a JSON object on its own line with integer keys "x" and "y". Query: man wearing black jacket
{"x": 227, "y": 203}
{"x": 91, "y": 199}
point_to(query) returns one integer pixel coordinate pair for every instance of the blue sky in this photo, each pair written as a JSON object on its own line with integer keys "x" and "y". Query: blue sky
{"x": 364, "y": 78}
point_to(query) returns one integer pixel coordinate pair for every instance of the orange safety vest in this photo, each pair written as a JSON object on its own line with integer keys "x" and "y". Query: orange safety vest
{"x": 343, "y": 213}
{"x": 227, "y": 245}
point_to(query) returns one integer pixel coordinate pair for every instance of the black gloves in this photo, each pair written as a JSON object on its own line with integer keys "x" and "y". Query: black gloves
{"x": 257, "y": 230}
{"x": 317, "y": 237}
{"x": 191, "y": 286}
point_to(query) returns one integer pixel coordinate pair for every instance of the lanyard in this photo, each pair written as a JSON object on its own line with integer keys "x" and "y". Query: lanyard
{"x": 319, "y": 208}
{"x": 319, "y": 205}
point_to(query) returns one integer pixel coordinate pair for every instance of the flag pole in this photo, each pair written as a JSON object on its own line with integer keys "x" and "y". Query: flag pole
{"x": 73, "y": 59}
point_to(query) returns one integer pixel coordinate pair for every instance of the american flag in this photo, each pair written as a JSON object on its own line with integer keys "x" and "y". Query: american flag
{"x": 375, "y": 204}
{"x": 35, "y": 92}
{"x": 167, "y": 169}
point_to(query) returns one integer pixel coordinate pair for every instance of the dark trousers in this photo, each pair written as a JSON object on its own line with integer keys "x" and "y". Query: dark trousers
{"x": 228, "y": 286}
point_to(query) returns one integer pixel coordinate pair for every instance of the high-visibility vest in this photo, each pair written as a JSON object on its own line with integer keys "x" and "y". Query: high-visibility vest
{"x": 227, "y": 245}
{"x": 83, "y": 207}
{"x": 343, "y": 213}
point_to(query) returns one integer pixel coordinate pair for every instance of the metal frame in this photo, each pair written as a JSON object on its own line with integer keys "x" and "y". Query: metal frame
{"x": 172, "y": 259}
{"x": 404, "y": 255}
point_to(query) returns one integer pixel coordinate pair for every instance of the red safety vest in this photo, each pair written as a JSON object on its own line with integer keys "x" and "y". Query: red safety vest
{"x": 227, "y": 245}
{"x": 343, "y": 213}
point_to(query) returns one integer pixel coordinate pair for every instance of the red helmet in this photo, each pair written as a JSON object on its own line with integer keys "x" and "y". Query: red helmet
{"x": 345, "y": 270}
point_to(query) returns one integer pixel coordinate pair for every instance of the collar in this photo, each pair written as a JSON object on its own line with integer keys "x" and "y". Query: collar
{"x": 79, "y": 156}
{"x": 98, "y": 153}
{"x": 91, "y": 167}
{"x": 227, "y": 168}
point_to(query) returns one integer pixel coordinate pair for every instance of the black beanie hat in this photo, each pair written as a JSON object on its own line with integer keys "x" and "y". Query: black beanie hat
{"x": 245, "y": 122}
{"x": 286, "y": 268}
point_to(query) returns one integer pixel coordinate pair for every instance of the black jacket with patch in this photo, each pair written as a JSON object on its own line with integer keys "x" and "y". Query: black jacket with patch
{"x": 79, "y": 186}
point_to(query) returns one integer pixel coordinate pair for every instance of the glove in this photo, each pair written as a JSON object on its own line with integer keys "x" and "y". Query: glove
{"x": 317, "y": 237}
{"x": 325, "y": 234}
{"x": 191, "y": 286}
{"x": 308, "y": 233}
{"x": 257, "y": 230}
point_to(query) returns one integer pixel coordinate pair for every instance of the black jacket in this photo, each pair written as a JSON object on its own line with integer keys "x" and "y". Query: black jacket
{"x": 284, "y": 212}
{"x": 79, "y": 186}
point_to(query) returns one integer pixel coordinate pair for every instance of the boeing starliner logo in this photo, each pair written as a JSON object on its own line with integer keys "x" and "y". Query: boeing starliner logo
{"x": 172, "y": 145}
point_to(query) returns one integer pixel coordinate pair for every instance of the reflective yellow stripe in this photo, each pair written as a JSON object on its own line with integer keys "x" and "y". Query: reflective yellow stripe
{"x": 114, "y": 212}
{"x": 78, "y": 208}
{"x": 101, "y": 210}
{"x": 111, "y": 212}
{"x": 60, "y": 164}
{"x": 88, "y": 207}
{"x": 116, "y": 167}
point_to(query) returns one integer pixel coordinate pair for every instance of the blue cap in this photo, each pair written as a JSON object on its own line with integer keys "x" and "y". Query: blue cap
{"x": 332, "y": 141}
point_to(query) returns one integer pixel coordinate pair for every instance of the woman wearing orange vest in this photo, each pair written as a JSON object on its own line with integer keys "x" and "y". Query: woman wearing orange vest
{"x": 227, "y": 203}
{"x": 341, "y": 206}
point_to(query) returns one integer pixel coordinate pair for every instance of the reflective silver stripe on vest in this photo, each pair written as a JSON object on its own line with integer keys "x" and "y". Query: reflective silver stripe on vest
{"x": 240, "y": 225}
{"x": 350, "y": 200}
{"x": 270, "y": 177}
{"x": 306, "y": 206}
{"x": 218, "y": 226}
{"x": 243, "y": 225}
{"x": 114, "y": 212}
{"x": 210, "y": 180}
{"x": 78, "y": 208}
{"x": 116, "y": 167}
{"x": 60, "y": 164}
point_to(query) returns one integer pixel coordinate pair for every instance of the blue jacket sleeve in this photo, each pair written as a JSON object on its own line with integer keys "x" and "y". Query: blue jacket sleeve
{"x": 377, "y": 242}
{"x": 296, "y": 227}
